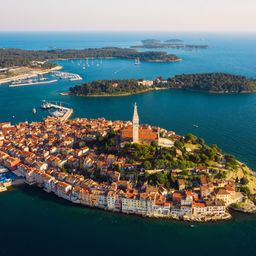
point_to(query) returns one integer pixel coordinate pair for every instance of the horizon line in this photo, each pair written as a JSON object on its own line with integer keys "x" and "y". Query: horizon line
{"x": 130, "y": 31}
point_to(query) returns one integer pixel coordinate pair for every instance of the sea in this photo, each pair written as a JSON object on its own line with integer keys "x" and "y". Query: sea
{"x": 34, "y": 222}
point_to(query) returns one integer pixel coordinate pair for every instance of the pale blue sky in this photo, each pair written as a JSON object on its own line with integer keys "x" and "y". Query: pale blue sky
{"x": 134, "y": 15}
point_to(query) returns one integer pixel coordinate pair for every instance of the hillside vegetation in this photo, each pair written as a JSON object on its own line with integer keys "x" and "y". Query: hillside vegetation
{"x": 209, "y": 82}
{"x": 17, "y": 57}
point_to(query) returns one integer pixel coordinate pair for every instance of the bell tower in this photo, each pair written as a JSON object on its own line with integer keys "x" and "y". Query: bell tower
{"x": 135, "y": 124}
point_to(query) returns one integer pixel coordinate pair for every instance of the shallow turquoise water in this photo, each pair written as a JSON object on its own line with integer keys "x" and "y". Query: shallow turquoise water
{"x": 35, "y": 222}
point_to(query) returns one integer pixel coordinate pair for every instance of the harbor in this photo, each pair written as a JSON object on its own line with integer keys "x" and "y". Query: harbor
{"x": 37, "y": 79}
{"x": 29, "y": 82}
{"x": 59, "y": 111}
{"x": 24, "y": 75}
{"x": 66, "y": 75}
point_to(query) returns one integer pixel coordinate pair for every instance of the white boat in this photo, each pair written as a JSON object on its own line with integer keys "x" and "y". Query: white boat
{"x": 137, "y": 61}
{"x": 34, "y": 110}
{"x": 45, "y": 105}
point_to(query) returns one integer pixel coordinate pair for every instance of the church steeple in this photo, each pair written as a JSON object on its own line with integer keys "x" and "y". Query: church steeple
{"x": 135, "y": 124}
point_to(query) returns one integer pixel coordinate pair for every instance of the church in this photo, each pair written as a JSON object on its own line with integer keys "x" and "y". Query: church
{"x": 143, "y": 134}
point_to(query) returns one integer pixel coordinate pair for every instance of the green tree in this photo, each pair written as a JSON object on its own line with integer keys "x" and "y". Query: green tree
{"x": 244, "y": 181}
{"x": 147, "y": 165}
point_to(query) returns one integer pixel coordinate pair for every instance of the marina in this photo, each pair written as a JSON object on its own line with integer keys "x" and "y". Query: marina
{"x": 63, "y": 113}
{"x": 67, "y": 75}
{"x": 28, "y": 81}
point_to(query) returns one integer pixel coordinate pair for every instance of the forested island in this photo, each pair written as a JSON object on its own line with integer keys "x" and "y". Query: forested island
{"x": 17, "y": 57}
{"x": 207, "y": 82}
{"x": 111, "y": 88}
{"x": 210, "y": 82}
{"x": 171, "y": 43}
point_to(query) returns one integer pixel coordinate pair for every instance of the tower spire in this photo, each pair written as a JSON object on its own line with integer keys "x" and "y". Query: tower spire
{"x": 135, "y": 124}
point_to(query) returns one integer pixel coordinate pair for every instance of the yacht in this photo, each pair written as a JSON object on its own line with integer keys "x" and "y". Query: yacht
{"x": 45, "y": 105}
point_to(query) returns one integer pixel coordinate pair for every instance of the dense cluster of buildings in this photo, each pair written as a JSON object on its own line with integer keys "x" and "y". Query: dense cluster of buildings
{"x": 53, "y": 155}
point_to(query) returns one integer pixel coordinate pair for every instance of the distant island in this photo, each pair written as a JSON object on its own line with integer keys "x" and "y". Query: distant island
{"x": 208, "y": 82}
{"x": 171, "y": 43}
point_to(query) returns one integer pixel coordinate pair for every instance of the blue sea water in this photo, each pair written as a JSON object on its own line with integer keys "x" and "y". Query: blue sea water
{"x": 227, "y": 120}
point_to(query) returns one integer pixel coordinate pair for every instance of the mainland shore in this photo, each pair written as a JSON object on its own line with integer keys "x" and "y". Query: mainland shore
{"x": 30, "y": 73}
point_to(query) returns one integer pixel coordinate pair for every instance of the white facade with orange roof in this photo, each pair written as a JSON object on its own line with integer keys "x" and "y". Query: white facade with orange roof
{"x": 76, "y": 194}
{"x": 48, "y": 182}
{"x": 63, "y": 190}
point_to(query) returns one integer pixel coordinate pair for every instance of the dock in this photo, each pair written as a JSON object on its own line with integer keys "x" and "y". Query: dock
{"x": 67, "y": 75}
{"x": 62, "y": 113}
{"x": 67, "y": 112}
{"x": 33, "y": 83}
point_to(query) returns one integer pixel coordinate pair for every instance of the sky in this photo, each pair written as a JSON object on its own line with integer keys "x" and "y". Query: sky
{"x": 128, "y": 15}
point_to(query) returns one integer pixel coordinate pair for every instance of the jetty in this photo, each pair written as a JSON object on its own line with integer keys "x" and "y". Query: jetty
{"x": 62, "y": 113}
{"x": 67, "y": 75}
{"x": 18, "y": 84}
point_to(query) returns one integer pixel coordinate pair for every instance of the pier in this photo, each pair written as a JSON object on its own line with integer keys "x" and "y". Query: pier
{"x": 63, "y": 113}
{"x": 18, "y": 84}
{"x": 66, "y": 75}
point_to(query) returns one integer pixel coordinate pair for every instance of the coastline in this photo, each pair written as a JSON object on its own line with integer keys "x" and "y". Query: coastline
{"x": 209, "y": 219}
{"x": 109, "y": 58}
{"x": 193, "y": 219}
{"x": 92, "y": 194}
{"x": 152, "y": 90}
{"x": 106, "y": 95}
{"x": 33, "y": 73}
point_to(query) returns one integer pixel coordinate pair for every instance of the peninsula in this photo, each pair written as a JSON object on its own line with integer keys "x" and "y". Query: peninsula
{"x": 125, "y": 167}
{"x": 19, "y": 64}
{"x": 208, "y": 82}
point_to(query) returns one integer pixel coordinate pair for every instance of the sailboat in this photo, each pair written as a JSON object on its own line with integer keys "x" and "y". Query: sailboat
{"x": 137, "y": 61}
